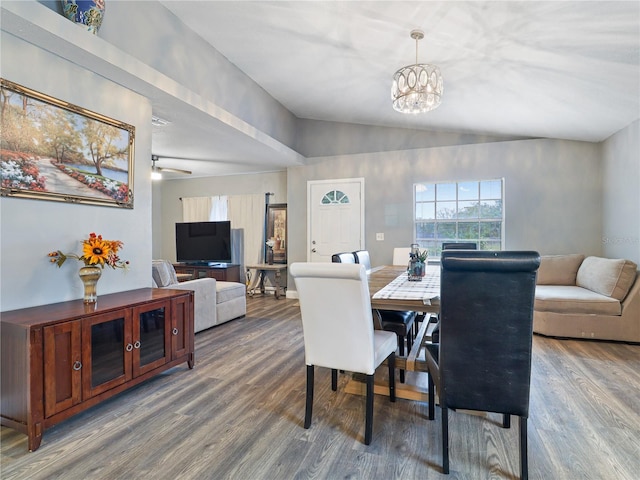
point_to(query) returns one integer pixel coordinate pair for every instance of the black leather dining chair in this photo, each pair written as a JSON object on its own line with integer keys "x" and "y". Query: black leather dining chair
{"x": 401, "y": 323}
{"x": 435, "y": 334}
{"x": 459, "y": 246}
{"x": 344, "y": 257}
{"x": 483, "y": 360}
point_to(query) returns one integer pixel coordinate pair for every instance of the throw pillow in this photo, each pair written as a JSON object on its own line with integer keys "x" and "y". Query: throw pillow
{"x": 610, "y": 277}
{"x": 559, "y": 269}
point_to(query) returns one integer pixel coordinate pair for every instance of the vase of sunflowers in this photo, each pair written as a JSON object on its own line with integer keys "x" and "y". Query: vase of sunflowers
{"x": 96, "y": 254}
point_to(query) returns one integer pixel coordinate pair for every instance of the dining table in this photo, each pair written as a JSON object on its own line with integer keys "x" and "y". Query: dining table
{"x": 391, "y": 289}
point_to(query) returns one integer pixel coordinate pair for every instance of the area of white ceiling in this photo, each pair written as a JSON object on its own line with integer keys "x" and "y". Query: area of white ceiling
{"x": 561, "y": 69}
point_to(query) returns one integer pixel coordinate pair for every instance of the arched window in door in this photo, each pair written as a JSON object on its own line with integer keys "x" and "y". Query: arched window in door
{"x": 334, "y": 196}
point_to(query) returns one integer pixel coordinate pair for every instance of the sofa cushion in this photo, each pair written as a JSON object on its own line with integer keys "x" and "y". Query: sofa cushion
{"x": 559, "y": 269}
{"x": 574, "y": 300}
{"x": 163, "y": 273}
{"x": 226, "y": 291}
{"x": 611, "y": 277}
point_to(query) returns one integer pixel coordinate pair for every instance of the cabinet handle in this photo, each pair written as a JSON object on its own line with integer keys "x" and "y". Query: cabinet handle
{"x": 129, "y": 347}
{"x": 77, "y": 365}
{"x": 137, "y": 344}
{"x": 174, "y": 331}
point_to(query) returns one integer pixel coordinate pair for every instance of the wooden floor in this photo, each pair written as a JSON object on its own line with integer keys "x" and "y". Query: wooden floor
{"x": 239, "y": 414}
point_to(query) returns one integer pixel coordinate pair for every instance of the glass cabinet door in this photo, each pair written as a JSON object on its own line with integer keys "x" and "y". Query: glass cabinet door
{"x": 107, "y": 362}
{"x": 151, "y": 325}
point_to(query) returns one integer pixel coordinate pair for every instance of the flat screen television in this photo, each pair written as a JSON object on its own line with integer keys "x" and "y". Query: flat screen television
{"x": 203, "y": 243}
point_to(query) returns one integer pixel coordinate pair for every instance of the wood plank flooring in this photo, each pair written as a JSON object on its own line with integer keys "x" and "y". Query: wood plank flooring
{"x": 239, "y": 415}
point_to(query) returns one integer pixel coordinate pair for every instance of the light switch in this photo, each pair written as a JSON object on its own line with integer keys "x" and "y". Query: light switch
{"x": 379, "y": 236}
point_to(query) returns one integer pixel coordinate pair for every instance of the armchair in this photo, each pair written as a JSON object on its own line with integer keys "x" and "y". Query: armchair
{"x": 483, "y": 360}
{"x": 214, "y": 302}
{"x": 338, "y": 329}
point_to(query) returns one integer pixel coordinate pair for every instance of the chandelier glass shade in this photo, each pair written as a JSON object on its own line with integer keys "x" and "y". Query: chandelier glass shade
{"x": 417, "y": 88}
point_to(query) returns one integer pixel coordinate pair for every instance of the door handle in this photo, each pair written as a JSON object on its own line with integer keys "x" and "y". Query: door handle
{"x": 313, "y": 250}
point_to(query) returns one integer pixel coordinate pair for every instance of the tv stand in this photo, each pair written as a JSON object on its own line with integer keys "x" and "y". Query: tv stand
{"x": 223, "y": 272}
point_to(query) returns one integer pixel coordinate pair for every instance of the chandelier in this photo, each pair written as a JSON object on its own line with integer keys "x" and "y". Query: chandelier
{"x": 417, "y": 88}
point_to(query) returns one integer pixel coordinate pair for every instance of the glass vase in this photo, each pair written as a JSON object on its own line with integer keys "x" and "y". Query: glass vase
{"x": 270, "y": 256}
{"x": 90, "y": 275}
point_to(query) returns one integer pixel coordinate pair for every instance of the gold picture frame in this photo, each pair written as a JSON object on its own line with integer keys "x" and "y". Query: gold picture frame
{"x": 53, "y": 150}
{"x": 277, "y": 230}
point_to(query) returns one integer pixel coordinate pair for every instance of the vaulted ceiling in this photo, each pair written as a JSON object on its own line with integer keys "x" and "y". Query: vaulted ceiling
{"x": 560, "y": 69}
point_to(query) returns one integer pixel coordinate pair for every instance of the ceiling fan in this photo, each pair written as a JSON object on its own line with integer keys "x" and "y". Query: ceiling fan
{"x": 156, "y": 172}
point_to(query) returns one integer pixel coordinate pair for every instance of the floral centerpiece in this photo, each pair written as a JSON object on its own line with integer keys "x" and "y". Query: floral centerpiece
{"x": 416, "y": 269}
{"x": 96, "y": 254}
{"x": 95, "y": 251}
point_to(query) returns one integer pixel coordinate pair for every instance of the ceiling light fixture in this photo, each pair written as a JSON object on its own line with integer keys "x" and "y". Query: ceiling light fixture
{"x": 417, "y": 88}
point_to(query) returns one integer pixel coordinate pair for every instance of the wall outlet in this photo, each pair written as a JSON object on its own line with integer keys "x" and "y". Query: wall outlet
{"x": 379, "y": 236}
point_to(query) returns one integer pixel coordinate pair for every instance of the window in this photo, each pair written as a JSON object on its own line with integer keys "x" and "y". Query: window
{"x": 470, "y": 211}
{"x": 334, "y": 196}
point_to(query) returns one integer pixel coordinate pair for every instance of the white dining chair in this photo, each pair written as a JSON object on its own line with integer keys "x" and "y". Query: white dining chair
{"x": 401, "y": 256}
{"x": 338, "y": 329}
{"x": 399, "y": 322}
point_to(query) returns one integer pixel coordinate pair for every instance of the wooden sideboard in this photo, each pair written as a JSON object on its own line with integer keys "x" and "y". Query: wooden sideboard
{"x": 226, "y": 272}
{"x": 60, "y": 359}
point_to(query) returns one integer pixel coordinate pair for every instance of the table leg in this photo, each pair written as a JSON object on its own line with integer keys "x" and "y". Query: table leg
{"x": 262, "y": 275}
{"x": 277, "y": 276}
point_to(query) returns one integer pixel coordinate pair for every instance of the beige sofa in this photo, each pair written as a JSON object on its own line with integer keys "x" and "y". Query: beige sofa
{"x": 214, "y": 302}
{"x": 592, "y": 297}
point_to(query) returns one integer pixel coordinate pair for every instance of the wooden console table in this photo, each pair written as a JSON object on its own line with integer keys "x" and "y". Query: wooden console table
{"x": 262, "y": 269}
{"x": 225, "y": 272}
{"x": 60, "y": 359}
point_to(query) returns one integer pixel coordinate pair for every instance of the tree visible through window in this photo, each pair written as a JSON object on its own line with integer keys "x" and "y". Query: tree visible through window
{"x": 459, "y": 212}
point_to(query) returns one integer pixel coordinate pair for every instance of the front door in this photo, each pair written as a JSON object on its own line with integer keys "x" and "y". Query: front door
{"x": 335, "y": 217}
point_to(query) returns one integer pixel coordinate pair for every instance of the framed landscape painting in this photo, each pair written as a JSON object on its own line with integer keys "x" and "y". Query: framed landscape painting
{"x": 53, "y": 150}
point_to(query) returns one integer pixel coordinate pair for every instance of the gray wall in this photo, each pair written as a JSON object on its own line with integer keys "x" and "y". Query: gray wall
{"x": 32, "y": 228}
{"x": 553, "y": 192}
{"x": 317, "y": 138}
{"x": 621, "y": 199}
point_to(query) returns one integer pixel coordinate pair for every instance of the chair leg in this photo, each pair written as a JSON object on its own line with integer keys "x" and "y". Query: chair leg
{"x": 401, "y": 352}
{"x": 309, "y": 405}
{"x": 432, "y": 399}
{"x": 334, "y": 379}
{"x": 368, "y": 420}
{"x": 392, "y": 376}
{"x": 524, "y": 462}
{"x": 445, "y": 438}
{"x": 506, "y": 420}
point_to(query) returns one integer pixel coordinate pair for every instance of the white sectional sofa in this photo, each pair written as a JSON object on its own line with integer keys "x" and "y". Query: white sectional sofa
{"x": 214, "y": 302}
{"x": 592, "y": 297}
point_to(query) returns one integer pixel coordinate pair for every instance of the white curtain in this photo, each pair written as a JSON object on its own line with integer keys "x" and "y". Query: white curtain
{"x": 219, "y": 208}
{"x": 204, "y": 209}
{"x": 196, "y": 209}
{"x": 247, "y": 212}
